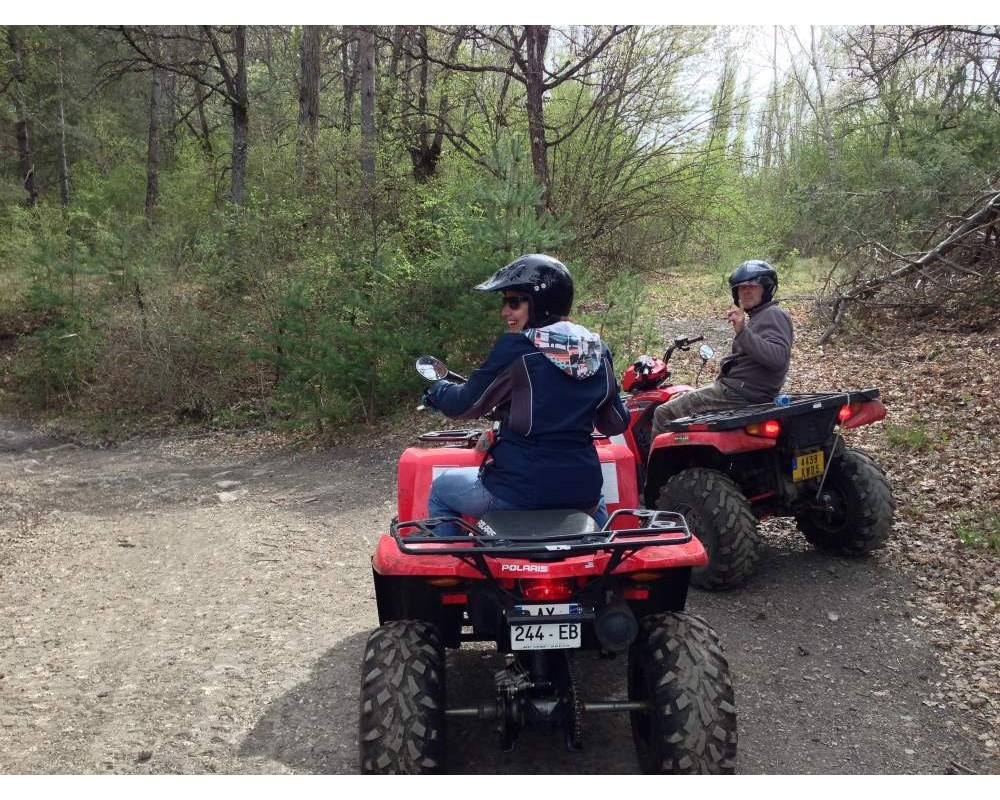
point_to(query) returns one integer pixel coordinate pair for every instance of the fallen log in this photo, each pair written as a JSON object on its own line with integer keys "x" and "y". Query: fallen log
{"x": 987, "y": 215}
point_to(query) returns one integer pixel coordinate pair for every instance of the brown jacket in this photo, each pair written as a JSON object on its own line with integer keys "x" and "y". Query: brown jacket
{"x": 761, "y": 352}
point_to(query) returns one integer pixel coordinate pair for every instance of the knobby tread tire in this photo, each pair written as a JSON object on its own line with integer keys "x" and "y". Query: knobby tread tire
{"x": 719, "y": 515}
{"x": 678, "y": 667}
{"x": 868, "y": 508}
{"x": 402, "y": 719}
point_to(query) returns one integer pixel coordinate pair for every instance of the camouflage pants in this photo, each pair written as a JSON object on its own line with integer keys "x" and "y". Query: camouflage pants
{"x": 717, "y": 397}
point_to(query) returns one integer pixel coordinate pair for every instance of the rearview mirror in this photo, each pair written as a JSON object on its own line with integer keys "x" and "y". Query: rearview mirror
{"x": 433, "y": 369}
{"x": 706, "y": 352}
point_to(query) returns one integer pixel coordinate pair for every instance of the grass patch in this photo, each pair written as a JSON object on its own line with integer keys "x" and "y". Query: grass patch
{"x": 979, "y": 529}
{"x": 911, "y": 437}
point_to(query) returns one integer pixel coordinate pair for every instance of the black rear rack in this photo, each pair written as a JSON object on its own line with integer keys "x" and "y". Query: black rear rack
{"x": 465, "y": 436}
{"x": 657, "y": 529}
{"x": 798, "y": 404}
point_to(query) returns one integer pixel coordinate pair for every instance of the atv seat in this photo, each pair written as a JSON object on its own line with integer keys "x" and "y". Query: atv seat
{"x": 530, "y": 524}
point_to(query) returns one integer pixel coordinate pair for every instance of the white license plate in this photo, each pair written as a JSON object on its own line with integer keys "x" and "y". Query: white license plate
{"x": 547, "y": 636}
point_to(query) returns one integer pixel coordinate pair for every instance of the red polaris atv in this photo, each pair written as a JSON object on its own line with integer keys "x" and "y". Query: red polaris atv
{"x": 546, "y": 587}
{"x": 725, "y": 470}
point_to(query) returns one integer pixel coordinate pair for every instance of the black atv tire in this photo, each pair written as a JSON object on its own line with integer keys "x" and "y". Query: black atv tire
{"x": 719, "y": 515}
{"x": 402, "y": 720}
{"x": 863, "y": 508}
{"x": 676, "y": 665}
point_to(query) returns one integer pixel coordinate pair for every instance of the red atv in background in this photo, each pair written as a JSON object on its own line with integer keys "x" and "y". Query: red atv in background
{"x": 546, "y": 588}
{"x": 724, "y": 471}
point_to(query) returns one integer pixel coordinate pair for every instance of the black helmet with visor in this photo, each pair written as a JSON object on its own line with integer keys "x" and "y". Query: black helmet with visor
{"x": 755, "y": 272}
{"x": 544, "y": 280}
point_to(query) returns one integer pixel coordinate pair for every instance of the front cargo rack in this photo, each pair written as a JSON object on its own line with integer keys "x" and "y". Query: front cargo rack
{"x": 758, "y": 412}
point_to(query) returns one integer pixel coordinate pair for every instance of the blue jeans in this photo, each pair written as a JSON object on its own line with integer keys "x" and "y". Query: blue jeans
{"x": 459, "y": 492}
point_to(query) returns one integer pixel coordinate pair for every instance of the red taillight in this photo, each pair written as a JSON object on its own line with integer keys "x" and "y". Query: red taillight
{"x": 545, "y": 591}
{"x": 848, "y": 411}
{"x": 769, "y": 429}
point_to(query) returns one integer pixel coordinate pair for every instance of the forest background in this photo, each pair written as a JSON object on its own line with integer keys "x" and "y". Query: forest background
{"x": 244, "y": 225}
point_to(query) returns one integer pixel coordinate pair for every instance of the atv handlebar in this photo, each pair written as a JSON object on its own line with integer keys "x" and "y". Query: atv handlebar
{"x": 682, "y": 343}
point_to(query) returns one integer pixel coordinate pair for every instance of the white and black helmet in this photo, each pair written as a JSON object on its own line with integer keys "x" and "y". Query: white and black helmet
{"x": 755, "y": 272}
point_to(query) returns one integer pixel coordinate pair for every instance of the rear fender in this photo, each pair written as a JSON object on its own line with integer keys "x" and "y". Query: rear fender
{"x": 868, "y": 412}
{"x": 675, "y": 451}
{"x": 389, "y": 560}
{"x": 724, "y": 442}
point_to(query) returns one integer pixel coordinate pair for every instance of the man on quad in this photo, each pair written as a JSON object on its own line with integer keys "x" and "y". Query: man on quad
{"x": 555, "y": 382}
{"x": 755, "y": 369}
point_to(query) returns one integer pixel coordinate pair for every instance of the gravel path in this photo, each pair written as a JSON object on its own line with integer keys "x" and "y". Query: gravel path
{"x": 200, "y": 606}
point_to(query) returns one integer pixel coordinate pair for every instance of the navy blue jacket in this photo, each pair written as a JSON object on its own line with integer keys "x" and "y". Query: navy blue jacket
{"x": 557, "y": 385}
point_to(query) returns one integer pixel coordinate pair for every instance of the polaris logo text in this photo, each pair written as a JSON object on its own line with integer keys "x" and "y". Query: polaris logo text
{"x": 523, "y": 568}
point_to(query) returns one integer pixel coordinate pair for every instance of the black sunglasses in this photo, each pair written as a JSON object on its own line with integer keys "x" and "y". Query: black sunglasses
{"x": 513, "y": 301}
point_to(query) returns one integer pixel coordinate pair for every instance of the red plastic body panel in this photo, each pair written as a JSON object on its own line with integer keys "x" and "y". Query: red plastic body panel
{"x": 870, "y": 411}
{"x": 658, "y": 395}
{"x": 658, "y": 372}
{"x": 639, "y": 402}
{"x": 621, "y": 488}
{"x": 418, "y": 466}
{"x": 724, "y": 441}
{"x": 388, "y": 560}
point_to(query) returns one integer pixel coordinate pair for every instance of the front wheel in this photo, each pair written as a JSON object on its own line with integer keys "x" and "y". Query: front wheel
{"x": 402, "y": 721}
{"x": 858, "y": 513}
{"x": 677, "y": 668}
{"x": 719, "y": 515}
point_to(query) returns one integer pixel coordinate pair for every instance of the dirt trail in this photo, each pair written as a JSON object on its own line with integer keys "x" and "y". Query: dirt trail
{"x": 200, "y": 606}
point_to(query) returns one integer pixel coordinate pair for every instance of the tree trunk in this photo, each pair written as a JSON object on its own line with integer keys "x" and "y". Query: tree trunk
{"x": 536, "y": 41}
{"x": 350, "y": 73}
{"x": 421, "y": 153}
{"x": 206, "y": 131}
{"x": 826, "y": 125}
{"x": 62, "y": 162}
{"x": 309, "y": 90}
{"x": 169, "y": 120}
{"x": 425, "y": 148}
{"x": 21, "y": 109}
{"x": 366, "y": 62}
{"x": 309, "y": 82}
{"x": 241, "y": 116}
{"x": 154, "y": 148}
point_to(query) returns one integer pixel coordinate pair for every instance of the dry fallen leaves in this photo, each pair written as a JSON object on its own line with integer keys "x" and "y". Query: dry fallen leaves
{"x": 938, "y": 445}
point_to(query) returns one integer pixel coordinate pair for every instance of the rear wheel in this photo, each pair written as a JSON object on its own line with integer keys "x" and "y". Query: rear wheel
{"x": 720, "y": 516}
{"x": 402, "y": 721}
{"x": 677, "y": 667}
{"x": 859, "y": 508}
